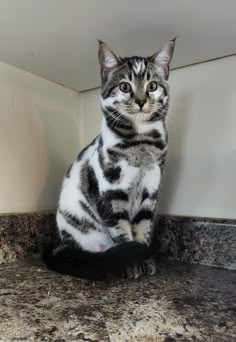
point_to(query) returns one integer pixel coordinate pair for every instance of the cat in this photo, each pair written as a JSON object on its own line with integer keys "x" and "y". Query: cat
{"x": 109, "y": 194}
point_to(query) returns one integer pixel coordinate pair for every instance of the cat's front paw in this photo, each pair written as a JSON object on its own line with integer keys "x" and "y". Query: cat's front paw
{"x": 149, "y": 266}
{"x": 134, "y": 271}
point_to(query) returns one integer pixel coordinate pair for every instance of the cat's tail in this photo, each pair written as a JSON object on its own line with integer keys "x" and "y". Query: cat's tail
{"x": 76, "y": 262}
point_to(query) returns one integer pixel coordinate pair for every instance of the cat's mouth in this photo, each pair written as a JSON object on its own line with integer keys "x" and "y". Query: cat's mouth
{"x": 141, "y": 116}
{"x": 140, "y": 111}
{"x": 144, "y": 111}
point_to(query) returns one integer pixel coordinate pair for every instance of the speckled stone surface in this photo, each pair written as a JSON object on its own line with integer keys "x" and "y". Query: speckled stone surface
{"x": 197, "y": 240}
{"x": 20, "y": 234}
{"x": 193, "y": 240}
{"x": 180, "y": 303}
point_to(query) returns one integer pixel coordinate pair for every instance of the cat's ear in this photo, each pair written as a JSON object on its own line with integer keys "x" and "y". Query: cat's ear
{"x": 163, "y": 57}
{"x": 107, "y": 58}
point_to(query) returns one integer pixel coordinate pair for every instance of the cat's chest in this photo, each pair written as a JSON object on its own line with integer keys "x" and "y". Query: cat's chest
{"x": 143, "y": 156}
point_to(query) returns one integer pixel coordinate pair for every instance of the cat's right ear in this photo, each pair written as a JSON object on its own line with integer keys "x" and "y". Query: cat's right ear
{"x": 107, "y": 58}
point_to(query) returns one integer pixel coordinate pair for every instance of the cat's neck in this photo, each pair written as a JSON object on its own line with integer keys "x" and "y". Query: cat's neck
{"x": 110, "y": 138}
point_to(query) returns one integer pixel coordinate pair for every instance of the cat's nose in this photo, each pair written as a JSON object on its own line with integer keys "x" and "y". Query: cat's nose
{"x": 141, "y": 102}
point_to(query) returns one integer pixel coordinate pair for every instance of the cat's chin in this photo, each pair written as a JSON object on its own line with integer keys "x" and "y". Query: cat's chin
{"x": 143, "y": 111}
{"x": 141, "y": 116}
{"x": 139, "y": 112}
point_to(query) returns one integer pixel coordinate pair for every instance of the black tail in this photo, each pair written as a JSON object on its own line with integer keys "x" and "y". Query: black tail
{"x": 74, "y": 261}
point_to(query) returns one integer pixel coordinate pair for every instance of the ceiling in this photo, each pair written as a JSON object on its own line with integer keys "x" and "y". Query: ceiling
{"x": 56, "y": 39}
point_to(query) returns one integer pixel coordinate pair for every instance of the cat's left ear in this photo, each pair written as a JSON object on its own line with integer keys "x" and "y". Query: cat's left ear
{"x": 163, "y": 57}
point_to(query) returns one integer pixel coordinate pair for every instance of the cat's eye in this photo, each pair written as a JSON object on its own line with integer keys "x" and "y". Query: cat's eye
{"x": 125, "y": 87}
{"x": 152, "y": 86}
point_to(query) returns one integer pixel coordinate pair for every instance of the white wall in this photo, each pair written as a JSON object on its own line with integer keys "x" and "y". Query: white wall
{"x": 39, "y": 137}
{"x": 200, "y": 176}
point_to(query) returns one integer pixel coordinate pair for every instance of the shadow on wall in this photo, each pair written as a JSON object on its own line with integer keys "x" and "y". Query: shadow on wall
{"x": 177, "y": 125}
{"x": 176, "y": 172}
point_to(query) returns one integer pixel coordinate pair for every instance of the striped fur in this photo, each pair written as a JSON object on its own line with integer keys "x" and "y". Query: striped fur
{"x": 109, "y": 194}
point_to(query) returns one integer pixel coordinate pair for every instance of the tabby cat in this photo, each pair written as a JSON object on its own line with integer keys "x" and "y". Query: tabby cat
{"x": 109, "y": 194}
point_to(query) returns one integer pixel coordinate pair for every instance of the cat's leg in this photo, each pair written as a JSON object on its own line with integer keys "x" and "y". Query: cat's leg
{"x": 142, "y": 229}
{"x": 82, "y": 230}
{"x": 142, "y": 222}
{"x": 113, "y": 208}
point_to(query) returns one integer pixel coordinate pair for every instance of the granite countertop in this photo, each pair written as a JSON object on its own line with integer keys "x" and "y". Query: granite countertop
{"x": 180, "y": 303}
{"x": 205, "y": 241}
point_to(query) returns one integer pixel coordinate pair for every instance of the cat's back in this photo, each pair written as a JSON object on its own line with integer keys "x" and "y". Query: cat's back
{"x": 72, "y": 181}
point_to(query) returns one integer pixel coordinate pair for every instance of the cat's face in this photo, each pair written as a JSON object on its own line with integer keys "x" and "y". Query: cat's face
{"x": 135, "y": 88}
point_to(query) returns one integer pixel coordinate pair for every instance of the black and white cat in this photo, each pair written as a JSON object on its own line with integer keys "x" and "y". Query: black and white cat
{"x": 109, "y": 195}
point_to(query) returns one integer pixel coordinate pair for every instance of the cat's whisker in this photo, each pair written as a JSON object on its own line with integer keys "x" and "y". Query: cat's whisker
{"x": 170, "y": 120}
{"x": 114, "y": 120}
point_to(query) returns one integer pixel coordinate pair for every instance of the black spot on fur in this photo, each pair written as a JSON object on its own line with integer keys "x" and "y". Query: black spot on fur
{"x": 157, "y": 143}
{"x": 115, "y": 195}
{"x": 89, "y": 211}
{"x": 112, "y": 174}
{"x": 143, "y": 214}
{"x": 93, "y": 188}
{"x": 105, "y": 209}
{"x": 145, "y": 195}
{"x": 82, "y": 224}
{"x": 115, "y": 156}
{"x": 155, "y": 134}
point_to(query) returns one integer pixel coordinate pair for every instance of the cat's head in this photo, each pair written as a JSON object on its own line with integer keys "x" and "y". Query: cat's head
{"x": 135, "y": 88}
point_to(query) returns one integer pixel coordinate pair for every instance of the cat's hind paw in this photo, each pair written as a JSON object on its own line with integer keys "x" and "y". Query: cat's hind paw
{"x": 147, "y": 267}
